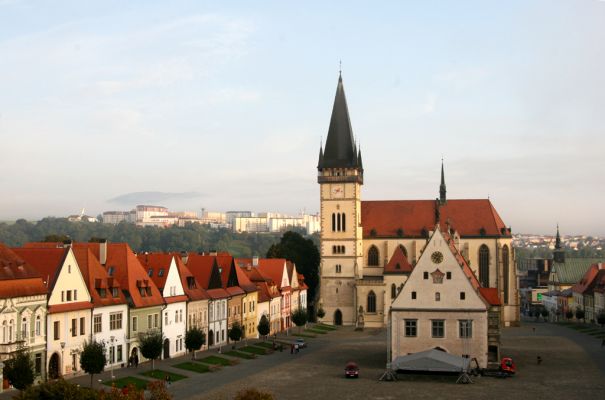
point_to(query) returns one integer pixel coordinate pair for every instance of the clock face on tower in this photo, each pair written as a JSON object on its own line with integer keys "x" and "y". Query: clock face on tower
{"x": 338, "y": 191}
{"x": 437, "y": 257}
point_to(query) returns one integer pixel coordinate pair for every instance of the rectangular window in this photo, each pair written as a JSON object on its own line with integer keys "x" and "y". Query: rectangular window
{"x": 411, "y": 328}
{"x": 38, "y": 364}
{"x": 465, "y": 328}
{"x": 96, "y": 323}
{"x": 438, "y": 328}
{"x": 69, "y": 295}
{"x": 462, "y": 295}
{"x": 75, "y": 294}
{"x": 425, "y": 275}
{"x": 115, "y": 321}
{"x": 82, "y": 326}
{"x": 74, "y": 327}
{"x": 156, "y": 320}
{"x": 448, "y": 275}
{"x": 119, "y": 353}
{"x": 166, "y": 318}
{"x": 413, "y": 295}
{"x": 62, "y": 296}
{"x": 102, "y": 292}
{"x": 56, "y": 329}
{"x": 38, "y": 326}
{"x": 149, "y": 319}
{"x": 114, "y": 292}
{"x": 134, "y": 324}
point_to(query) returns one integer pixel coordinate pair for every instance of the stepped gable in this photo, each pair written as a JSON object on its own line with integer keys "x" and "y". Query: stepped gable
{"x": 18, "y": 278}
{"x": 97, "y": 280}
{"x": 398, "y": 264}
{"x": 471, "y": 218}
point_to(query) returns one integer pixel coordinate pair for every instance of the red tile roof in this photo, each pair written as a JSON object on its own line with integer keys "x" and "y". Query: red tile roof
{"x": 273, "y": 268}
{"x": 22, "y": 287}
{"x": 468, "y": 217}
{"x": 18, "y": 278}
{"x": 202, "y": 266}
{"x": 196, "y": 291}
{"x": 398, "y": 264}
{"x": 59, "y": 308}
{"x": 301, "y": 282}
{"x": 95, "y": 277}
{"x": 244, "y": 281}
{"x": 156, "y": 263}
{"x": 490, "y": 295}
{"x": 46, "y": 261}
{"x": 175, "y": 299}
{"x": 591, "y": 278}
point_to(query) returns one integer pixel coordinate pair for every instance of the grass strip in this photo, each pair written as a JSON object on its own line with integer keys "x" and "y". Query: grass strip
{"x": 161, "y": 374}
{"x": 139, "y": 383}
{"x": 254, "y": 350}
{"x": 266, "y": 345}
{"x": 305, "y": 335}
{"x": 239, "y": 354}
{"x": 200, "y": 368}
{"x": 319, "y": 331}
{"x": 216, "y": 360}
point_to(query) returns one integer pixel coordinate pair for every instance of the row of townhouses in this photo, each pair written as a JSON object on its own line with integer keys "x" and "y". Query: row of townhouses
{"x": 56, "y": 296}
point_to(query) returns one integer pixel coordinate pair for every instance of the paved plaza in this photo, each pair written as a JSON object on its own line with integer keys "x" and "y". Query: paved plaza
{"x": 573, "y": 367}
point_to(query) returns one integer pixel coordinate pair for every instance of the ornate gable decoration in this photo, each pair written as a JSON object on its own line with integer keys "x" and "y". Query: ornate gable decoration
{"x": 437, "y": 276}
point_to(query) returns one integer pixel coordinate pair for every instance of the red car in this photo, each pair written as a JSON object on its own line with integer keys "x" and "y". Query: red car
{"x": 351, "y": 370}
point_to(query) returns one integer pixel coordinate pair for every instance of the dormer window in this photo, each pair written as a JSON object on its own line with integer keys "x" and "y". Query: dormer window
{"x": 110, "y": 271}
{"x": 102, "y": 292}
{"x": 150, "y": 272}
{"x": 114, "y": 292}
{"x": 191, "y": 282}
{"x": 148, "y": 290}
{"x": 160, "y": 272}
{"x": 142, "y": 291}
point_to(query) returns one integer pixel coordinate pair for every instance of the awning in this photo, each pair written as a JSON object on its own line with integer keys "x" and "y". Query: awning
{"x": 432, "y": 361}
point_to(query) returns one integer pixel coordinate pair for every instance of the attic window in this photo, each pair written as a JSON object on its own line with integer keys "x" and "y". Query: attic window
{"x": 110, "y": 271}
{"x": 142, "y": 291}
{"x": 191, "y": 282}
{"x": 148, "y": 290}
{"x": 102, "y": 292}
{"x": 114, "y": 291}
{"x": 150, "y": 272}
{"x": 397, "y": 266}
{"x": 160, "y": 272}
{"x": 448, "y": 275}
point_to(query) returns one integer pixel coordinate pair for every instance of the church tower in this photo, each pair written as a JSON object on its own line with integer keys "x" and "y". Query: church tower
{"x": 340, "y": 176}
{"x": 559, "y": 253}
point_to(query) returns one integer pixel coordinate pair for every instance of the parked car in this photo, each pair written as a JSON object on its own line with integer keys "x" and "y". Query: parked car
{"x": 351, "y": 370}
{"x": 301, "y": 343}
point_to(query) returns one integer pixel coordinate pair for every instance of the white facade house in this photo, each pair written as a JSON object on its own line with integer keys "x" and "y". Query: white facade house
{"x": 217, "y": 318}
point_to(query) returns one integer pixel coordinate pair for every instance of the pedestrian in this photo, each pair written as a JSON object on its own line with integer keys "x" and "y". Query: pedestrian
{"x": 296, "y": 348}
{"x": 168, "y": 379}
{"x": 136, "y": 361}
{"x": 291, "y": 349}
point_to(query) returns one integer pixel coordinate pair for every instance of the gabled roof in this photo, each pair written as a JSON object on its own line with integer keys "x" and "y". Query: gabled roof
{"x": 196, "y": 292}
{"x": 398, "y": 264}
{"x": 593, "y": 275}
{"x": 96, "y": 278}
{"x": 157, "y": 266}
{"x": 388, "y": 218}
{"x": 273, "y": 268}
{"x": 573, "y": 269}
{"x": 205, "y": 269}
{"x": 301, "y": 282}
{"x": 46, "y": 261}
{"x": 244, "y": 281}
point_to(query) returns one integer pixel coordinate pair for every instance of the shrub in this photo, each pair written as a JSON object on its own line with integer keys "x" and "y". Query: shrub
{"x": 253, "y": 394}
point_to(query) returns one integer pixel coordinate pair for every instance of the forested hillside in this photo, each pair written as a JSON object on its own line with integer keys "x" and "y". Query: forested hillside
{"x": 193, "y": 237}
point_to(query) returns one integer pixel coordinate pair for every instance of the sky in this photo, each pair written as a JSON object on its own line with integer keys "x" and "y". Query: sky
{"x": 223, "y": 105}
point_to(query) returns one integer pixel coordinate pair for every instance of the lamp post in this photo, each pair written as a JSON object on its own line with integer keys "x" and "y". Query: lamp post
{"x": 62, "y": 357}
{"x": 111, "y": 355}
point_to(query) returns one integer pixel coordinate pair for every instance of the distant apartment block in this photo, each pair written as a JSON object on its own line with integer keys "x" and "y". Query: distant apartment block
{"x": 273, "y": 222}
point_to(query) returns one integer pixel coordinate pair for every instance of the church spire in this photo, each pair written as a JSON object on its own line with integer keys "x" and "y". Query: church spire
{"x": 442, "y": 190}
{"x": 340, "y": 149}
{"x": 559, "y": 253}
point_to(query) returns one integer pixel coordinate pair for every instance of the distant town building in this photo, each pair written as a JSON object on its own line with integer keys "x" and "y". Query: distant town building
{"x": 273, "y": 222}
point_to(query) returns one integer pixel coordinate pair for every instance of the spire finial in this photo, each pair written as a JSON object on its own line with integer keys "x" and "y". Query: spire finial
{"x": 339, "y": 67}
{"x": 442, "y": 190}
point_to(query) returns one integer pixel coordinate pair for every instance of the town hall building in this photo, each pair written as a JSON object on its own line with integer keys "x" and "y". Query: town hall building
{"x": 369, "y": 248}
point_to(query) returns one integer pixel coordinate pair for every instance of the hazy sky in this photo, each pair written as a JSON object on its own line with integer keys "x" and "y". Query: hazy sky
{"x": 223, "y": 105}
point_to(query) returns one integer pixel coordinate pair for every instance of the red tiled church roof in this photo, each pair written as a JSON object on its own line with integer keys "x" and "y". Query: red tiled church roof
{"x": 398, "y": 264}
{"x": 469, "y": 217}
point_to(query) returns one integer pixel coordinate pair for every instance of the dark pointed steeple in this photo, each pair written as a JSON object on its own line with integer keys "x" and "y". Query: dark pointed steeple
{"x": 340, "y": 149}
{"x": 321, "y": 157}
{"x": 559, "y": 253}
{"x": 442, "y": 191}
{"x": 359, "y": 162}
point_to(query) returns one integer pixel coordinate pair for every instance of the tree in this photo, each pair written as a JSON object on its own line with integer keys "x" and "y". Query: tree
{"x": 569, "y": 314}
{"x": 194, "y": 339}
{"x": 579, "y": 313}
{"x": 321, "y": 313}
{"x": 235, "y": 333}
{"x": 92, "y": 359}
{"x": 299, "y": 317}
{"x": 601, "y": 319}
{"x": 19, "y": 369}
{"x": 263, "y": 326}
{"x": 151, "y": 345}
{"x": 304, "y": 254}
{"x": 544, "y": 313}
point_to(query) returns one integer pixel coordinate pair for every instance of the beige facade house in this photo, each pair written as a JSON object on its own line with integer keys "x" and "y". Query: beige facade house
{"x": 69, "y": 305}
{"x": 443, "y": 306}
{"x": 359, "y": 238}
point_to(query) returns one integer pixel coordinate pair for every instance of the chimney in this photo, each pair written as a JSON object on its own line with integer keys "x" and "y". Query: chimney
{"x": 184, "y": 256}
{"x": 255, "y": 261}
{"x": 103, "y": 251}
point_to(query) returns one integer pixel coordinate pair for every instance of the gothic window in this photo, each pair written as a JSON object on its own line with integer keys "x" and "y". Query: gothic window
{"x": 344, "y": 226}
{"x": 393, "y": 291}
{"x": 338, "y": 268}
{"x": 405, "y": 252}
{"x": 373, "y": 256}
{"x": 505, "y": 267}
{"x": 484, "y": 265}
{"x": 371, "y": 302}
{"x": 333, "y": 222}
{"x": 333, "y": 249}
{"x": 338, "y": 222}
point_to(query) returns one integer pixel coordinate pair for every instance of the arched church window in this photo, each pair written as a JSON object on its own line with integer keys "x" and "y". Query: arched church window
{"x": 333, "y": 222}
{"x": 393, "y": 291}
{"x": 371, "y": 302}
{"x": 373, "y": 256}
{"x": 344, "y": 226}
{"x": 484, "y": 265}
{"x": 338, "y": 222}
{"x": 505, "y": 267}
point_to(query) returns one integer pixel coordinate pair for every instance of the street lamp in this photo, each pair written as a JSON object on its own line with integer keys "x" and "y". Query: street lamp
{"x": 62, "y": 357}
{"x": 111, "y": 355}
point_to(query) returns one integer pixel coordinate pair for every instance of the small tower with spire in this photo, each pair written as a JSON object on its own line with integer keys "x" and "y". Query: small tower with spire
{"x": 559, "y": 253}
{"x": 442, "y": 190}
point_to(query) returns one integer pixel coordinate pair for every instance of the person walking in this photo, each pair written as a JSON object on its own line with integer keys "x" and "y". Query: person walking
{"x": 291, "y": 349}
{"x": 296, "y": 348}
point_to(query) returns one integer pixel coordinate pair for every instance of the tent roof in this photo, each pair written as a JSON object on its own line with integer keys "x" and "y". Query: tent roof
{"x": 431, "y": 360}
